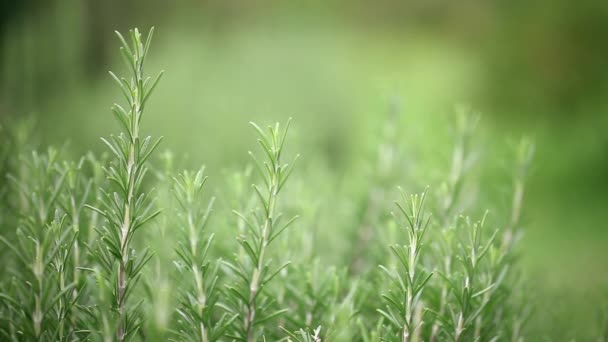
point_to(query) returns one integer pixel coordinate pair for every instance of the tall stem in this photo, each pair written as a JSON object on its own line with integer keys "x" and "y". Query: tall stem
{"x": 129, "y": 208}
{"x": 132, "y": 166}
{"x": 255, "y": 279}
{"x": 126, "y": 227}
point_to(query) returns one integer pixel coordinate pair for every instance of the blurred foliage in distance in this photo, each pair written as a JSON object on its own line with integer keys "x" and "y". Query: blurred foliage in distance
{"x": 536, "y": 68}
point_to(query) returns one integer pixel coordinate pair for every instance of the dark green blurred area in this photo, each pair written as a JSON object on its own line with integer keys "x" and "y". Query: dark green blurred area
{"x": 532, "y": 68}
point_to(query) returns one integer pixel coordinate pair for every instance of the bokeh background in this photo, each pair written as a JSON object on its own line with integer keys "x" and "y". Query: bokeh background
{"x": 537, "y": 68}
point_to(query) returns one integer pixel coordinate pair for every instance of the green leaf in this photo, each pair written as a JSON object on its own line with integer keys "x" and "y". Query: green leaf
{"x": 270, "y": 316}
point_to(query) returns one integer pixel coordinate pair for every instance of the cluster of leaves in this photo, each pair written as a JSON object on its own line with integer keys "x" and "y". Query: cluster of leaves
{"x": 77, "y": 261}
{"x": 44, "y": 285}
{"x": 456, "y": 280}
{"x": 128, "y": 207}
{"x": 253, "y": 269}
{"x": 199, "y": 294}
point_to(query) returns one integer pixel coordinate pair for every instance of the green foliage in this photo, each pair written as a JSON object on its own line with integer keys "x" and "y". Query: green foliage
{"x": 252, "y": 269}
{"x": 38, "y": 307}
{"x": 127, "y": 208}
{"x": 321, "y": 302}
{"x": 199, "y": 293}
{"x": 404, "y": 308}
{"x": 73, "y": 273}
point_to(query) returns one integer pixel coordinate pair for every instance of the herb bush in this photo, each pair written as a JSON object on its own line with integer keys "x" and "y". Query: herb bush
{"x": 103, "y": 249}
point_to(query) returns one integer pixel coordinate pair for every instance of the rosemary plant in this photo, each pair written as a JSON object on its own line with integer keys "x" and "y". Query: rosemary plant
{"x": 321, "y": 302}
{"x": 519, "y": 301}
{"x": 40, "y": 303}
{"x": 73, "y": 200}
{"x": 523, "y": 159}
{"x": 450, "y": 199}
{"x": 198, "y": 320}
{"x": 471, "y": 288}
{"x": 73, "y": 274}
{"x": 404, "y": 308}
{"x": 127, "y": 208}
{"x": 463, "y": 158}
{"x": 264, "y": 225}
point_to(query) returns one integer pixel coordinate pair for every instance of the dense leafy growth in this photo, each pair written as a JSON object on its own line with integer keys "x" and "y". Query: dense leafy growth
{"x": 93, "y": 252}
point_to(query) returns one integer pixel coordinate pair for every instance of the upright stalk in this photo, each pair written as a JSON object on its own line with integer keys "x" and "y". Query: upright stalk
{"x": 126, "y": 225}
{"x": 462, "y": 157}
{"x": 274, "y": 177}
{"x": 41, "y": 249}
{"x": 263, "y": 228}
{"x": 411, "y": 281}
{"x": 200, "y": 320}
{"x": 524, "y": 156}
{"x": 128, "y": 208}
{"x": 77, "y": 190}
{"x": 461, "y": 162}
{"x": 136, "y": 107}
{"x": 255, "y": 277}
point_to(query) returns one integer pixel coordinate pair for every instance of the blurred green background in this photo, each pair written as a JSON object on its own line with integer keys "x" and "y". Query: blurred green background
{"x": 538, "y": 68}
